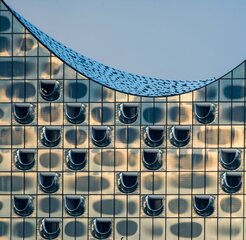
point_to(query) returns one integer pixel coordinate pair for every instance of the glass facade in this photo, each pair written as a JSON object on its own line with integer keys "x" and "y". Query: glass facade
{"x": 80, "y": 160}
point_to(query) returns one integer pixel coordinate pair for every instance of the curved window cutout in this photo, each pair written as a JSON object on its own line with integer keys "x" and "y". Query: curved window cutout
{"x": 101, "y": 228}
{"x": 24, "y": 159}
{"x": 180, "y": 136}
{"x": 75, "y": 112}
{"x": 204, "y": 205}
{"x": 50, "y": 228}
{"x": 101, "y": 136}
{"x": 154, "y": 136}
{"x": 50, "y": 136}
{"x": 74, "y": 205}
{"x": 205, "y": 112}
{"x": 23, "y": 205}
{"x": 76, "y": 159}
{"x": 23, "y": 113}
{"x": 49, "y": 182}
{"x": 231, "y": 182}
{"x": 50, "y": 90}
{"x": 230, "y": 158}
{"x": 128, "y": 112}
{"x": 153, "y": 205}
{"x": 152, "y": 159}
{"x": 128, "y": 182}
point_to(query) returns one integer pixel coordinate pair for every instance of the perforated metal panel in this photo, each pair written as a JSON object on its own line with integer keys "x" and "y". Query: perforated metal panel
{"x": 111, "y": 77}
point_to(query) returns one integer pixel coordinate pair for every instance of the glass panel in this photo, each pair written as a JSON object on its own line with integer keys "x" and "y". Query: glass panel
{"x": 69, "y": 72}
{"x": 31, "y": 67}
{"x": 95, "y": 92}
{"x": 43, "y": 51}
{"x": 5, "y": 67}
{"x": 56, "y": 68}
{"x": 186, "y": 113}
{"x": 5, "y": 22}
{"x": 44, "y": 68}
{"x": 238, "y": 90}
{"x": 199, "y": 95}
{"x": 17, "y": 26}
{"x": 5, "y": 45}
{"x": 212, "y": 92}
{"x": 18, "y": 67}
{"x": 19, "y": 44}
{"x": 108, "y": 95}
{"x": 239, "y": 72}
{"x": 5, "y": 113}
{"x": 173, "y": 111}
{"x": 31, "y": 45}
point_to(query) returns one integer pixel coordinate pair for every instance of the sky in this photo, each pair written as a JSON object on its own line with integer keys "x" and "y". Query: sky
{"x": 169, "y": 39}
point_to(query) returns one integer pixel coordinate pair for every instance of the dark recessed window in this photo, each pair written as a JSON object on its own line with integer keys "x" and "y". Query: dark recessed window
{"x": 128, "y": 182}
{"x": 23, "y": 205}
{"x": 230, "y": 158}
{"x": 152, "y": 158}
{"x": 204, "y": 205}
{"x": 180, "y": 136}
{"x": 24, "y": 159}
{"x": 50, "y": 136}
{"x": 23, "y": 113}
{"x": 153, "y": 205}
{"x": 128, "y": 112}
{"x": 75, "y": 112}
{"x": 49, "y": 182}
{"x": 50, "y": 228}
{"x": 76, "y": 159}
{"x": 101, "y": 228}
{"x": 100, "y": 136}
{"x": 205, "y": 112}
{"x": 74, "y": 205}
{"x": 154, "y": 136}
{"x": 231, "y": 182}
{"x": 50, "y": 90}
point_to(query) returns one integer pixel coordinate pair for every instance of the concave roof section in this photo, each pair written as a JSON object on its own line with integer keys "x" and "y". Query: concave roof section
{"x": 110, "y": 77}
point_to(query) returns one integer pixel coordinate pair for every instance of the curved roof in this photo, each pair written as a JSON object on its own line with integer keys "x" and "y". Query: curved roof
{"x": 110, "y": 77}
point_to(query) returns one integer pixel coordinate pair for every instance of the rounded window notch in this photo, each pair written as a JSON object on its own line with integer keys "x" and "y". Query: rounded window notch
{"x": 180, "y": 135}
{"x": 231, "y": 182}
{"x": 230, "y": 158}
{"x": 49, "y": 182}
{"x": 203, "y": 205}
{"x": 101, "y": 136}
{"x": 23, "y": 205}
{"x": 76, "y": 159}
{"x": 128, "y": 112}
{"x": 75, "y": 112}
{"x": 152, "y": 158}
{"x": 50, "y": 90}
{"x": 205, "y": 112}
{"x": 23, "y": 113}
{"x": 128, "y": 182}
{"x": 25, "y": 159}
{"x": 50, "y": 136}
{"x": 50, "y": 228}
{"x": 153, "y": 205}
{"x": 101, "y": 228}
{"x": 74, "y": 205}
{"x": 154, "y": 136}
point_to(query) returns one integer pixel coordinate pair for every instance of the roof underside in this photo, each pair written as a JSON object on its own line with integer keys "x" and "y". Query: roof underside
{"x": 111, "y": 77}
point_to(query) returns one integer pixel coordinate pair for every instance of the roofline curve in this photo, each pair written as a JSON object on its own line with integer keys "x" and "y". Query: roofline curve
{"x": 110, "y": 77}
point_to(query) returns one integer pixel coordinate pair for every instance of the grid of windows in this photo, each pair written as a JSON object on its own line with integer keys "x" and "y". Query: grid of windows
{"x": 183, "y": 172}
